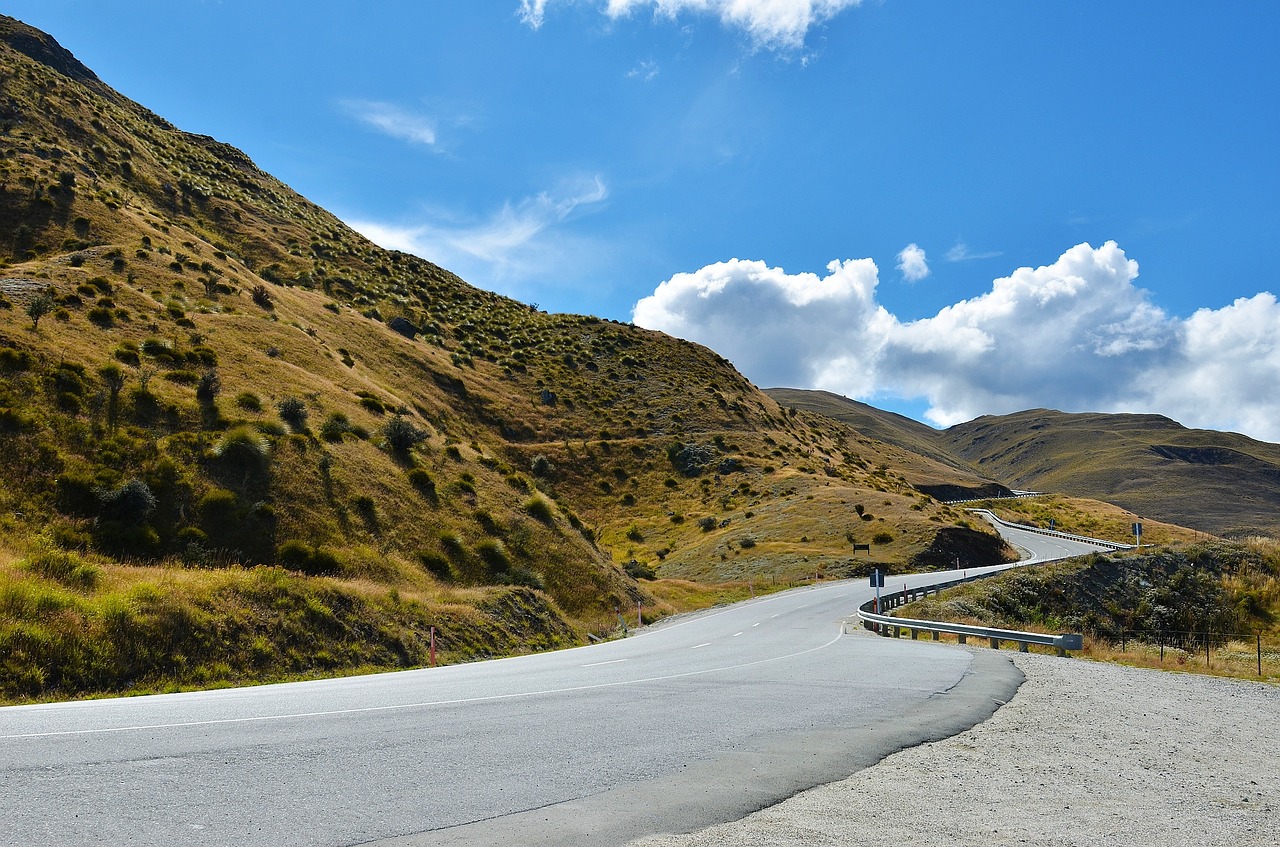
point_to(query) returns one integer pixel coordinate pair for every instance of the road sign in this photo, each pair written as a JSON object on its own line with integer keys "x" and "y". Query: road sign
{"x": 877, "y": 579}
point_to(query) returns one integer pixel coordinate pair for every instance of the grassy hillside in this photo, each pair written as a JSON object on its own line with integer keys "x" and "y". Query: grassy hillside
{"x": 1221, "y": 483}
{"x": 1218, "y": 482}
{"x": 1167, "y": 595}
{"x": 209, "y": 385}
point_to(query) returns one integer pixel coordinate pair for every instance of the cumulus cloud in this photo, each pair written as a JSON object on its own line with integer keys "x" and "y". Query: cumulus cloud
{"x": 391, "y": 120}
{"x": 1076, "y": 335}
{"x": 773, "y": 24}
{"x": 517, "y": 240}
{"x": 912, "y": 263}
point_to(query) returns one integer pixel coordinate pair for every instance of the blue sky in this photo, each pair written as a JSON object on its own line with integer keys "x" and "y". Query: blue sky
{"x": 614, "y": 157}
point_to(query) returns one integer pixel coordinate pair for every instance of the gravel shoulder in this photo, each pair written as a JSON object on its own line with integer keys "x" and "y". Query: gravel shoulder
{"x": 1085, "y": 753}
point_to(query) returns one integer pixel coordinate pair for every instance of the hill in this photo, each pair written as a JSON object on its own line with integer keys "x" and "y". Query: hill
{"x": 1221, "y": 483}
{"x": 1218, "y": 482}
{"x": 238, "y": 441}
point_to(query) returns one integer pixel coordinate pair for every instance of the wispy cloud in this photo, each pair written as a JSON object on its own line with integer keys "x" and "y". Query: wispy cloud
{"x": 392, "y": 120}
{"x": 644, "y": 71}
{"x": 1076, "y": 335}
{"x": 960, "y": 252}
{"x": 771, "y": 24}
{"x": 532, "y": 12}
{"x": 519, "y": 240}
{"x": 913, "y": 263}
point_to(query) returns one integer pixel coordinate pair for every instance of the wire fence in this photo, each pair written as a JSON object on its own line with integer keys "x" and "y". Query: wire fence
{"x": 1234, "y": 653}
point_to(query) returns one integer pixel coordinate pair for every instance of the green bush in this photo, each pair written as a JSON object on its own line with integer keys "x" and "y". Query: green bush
{"x": 436, "y": 565}
{"x": 494, "y": 554}
{"x": 541, "y": 510}
{"x": 300, "y": 556}
{"x": 244, "y": 448}
{"x": 402, "y": 435}
{"x": 882, "y": 538}
{"x": 249, "y": 401}
{"x": 293, "y": 412}
{"x": 61, "y": 566}
{"x": 335, "y": 427}
{"x": 422, "y": 481}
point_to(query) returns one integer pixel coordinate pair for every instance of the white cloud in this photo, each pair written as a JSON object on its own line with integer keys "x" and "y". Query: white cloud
{"x": 777, "y": 328}
{"x": 645, "y": 71}
{"x": 773, "y": 24}
{"x": 1076, "y": 335}
{"x": 391, "y": 120}
{"x": 912, "y": 263}
{"x": 532, "y": 12}
{"x": 516, "y": 241}
{"x": 960, "y": 252}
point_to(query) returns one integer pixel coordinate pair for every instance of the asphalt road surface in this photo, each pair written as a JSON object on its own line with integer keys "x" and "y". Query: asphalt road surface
{"x": 698, "y": 720}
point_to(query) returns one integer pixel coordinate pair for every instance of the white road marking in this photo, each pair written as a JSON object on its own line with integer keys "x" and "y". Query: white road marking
{"x": 736, "y": 634}
{"x": 598, "y": 664}
{"x": 425, "y": 704}
{"x": 703, "y": 644}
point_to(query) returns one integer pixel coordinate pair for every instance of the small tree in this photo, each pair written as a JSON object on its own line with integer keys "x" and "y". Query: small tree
{"x": 114, "y": 378}
{"x": 40, "y": 305}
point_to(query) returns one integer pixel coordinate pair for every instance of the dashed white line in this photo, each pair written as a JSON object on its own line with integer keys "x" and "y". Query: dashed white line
{"x": 736, "y": 634}
{"x": 598, "y": 664}
{"x": 703, "y": 644}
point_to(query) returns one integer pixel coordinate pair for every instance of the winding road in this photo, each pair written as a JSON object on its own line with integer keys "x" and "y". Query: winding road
{"x": 693, "y": 721}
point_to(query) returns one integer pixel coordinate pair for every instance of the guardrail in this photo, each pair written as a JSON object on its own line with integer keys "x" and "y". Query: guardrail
{"x": 994, "y": 518}
{"x": 891, "y": 627}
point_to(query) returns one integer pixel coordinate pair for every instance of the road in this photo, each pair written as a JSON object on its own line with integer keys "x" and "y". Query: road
{"x": 698, "y": 720}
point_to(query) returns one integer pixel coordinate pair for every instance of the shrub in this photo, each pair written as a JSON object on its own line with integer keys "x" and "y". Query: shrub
{"x": 300, "y": 556}
{"x": 540, "y": 510}
{"x": 882, "y": 538}
{"x": 61, "y": 566}
{"x": 747, "y": 542}
{"x": 636, "y": 570}
{"x": 422, "y": 481}
{"x": 209, "y": 386}
{"x": 293, "y": 412}
{"x": 707, "y": 524}
{"x": 494, "y": 554}
{"x": 131, "y": 504}
{"x": 541, "y": 466}
{"x": 249, "y": 401}
{"x": 335, "y": 427}
{"x": 261, "y": 296}
{"x": 402, "y": 435}
{"x": 436, "y": 565}
{"x": 12, "y": 360}
{"x": 634, "y": 533}
{"x": 243, "y": 447}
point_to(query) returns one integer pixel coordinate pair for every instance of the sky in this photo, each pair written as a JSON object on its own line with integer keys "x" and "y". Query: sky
{"x": 944, "y": 209}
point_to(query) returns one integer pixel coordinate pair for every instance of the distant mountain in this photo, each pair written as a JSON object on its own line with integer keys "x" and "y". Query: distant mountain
{"x": 1217, "y": 482}
{"x": 221, "y": 409}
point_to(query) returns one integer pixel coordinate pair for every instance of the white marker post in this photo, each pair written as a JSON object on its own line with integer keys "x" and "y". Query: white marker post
{"x": 1137, "y": 534}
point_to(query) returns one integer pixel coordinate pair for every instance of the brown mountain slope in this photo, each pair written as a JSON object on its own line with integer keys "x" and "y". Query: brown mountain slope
{"x": 1217, "y": 482}
{"x": 201, "y": 370}
{"x": 946, "y": 477}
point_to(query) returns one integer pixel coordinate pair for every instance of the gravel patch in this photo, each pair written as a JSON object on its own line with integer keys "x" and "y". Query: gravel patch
{"x": 1085, "y": 754}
